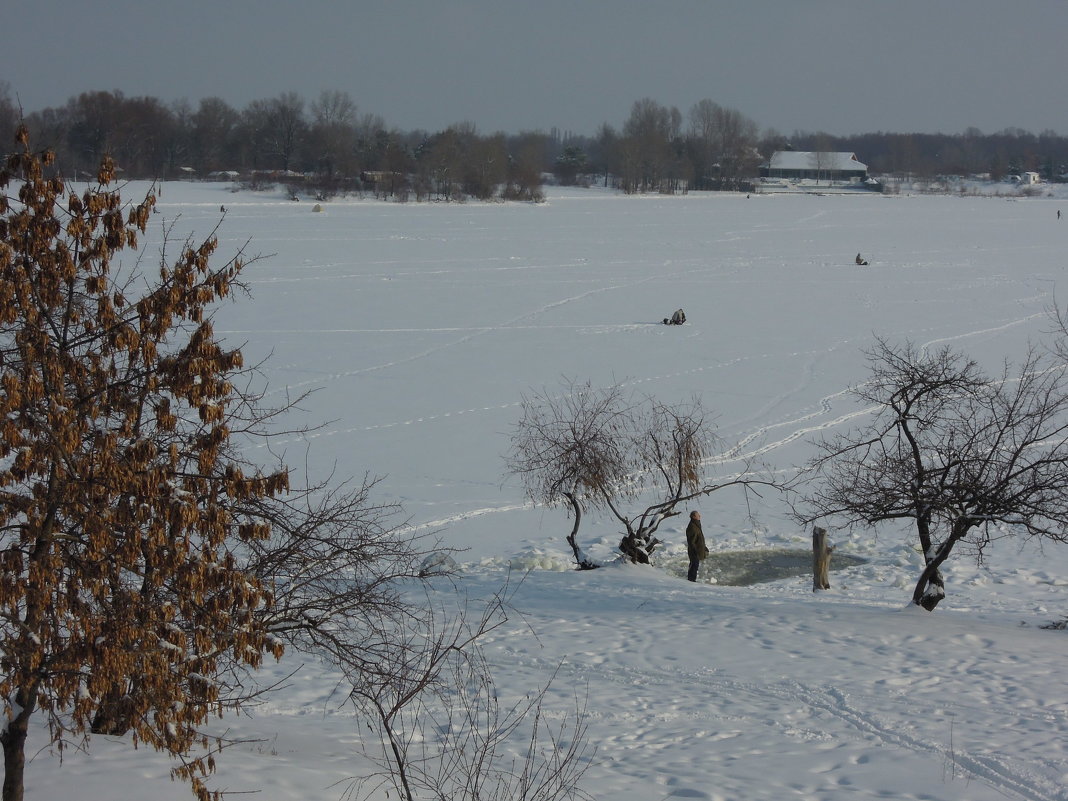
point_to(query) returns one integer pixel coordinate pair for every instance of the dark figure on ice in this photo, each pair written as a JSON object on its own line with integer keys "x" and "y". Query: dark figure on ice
{"x": 695, "y": 545}
{"x": 861, "y": 261}
{"x": 678, "y": 318}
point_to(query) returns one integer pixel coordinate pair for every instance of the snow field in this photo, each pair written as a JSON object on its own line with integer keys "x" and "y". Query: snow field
{"x": 419, "y": 327}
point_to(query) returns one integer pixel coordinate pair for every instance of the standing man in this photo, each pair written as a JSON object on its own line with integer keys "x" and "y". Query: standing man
{"x": 695, "y": 544}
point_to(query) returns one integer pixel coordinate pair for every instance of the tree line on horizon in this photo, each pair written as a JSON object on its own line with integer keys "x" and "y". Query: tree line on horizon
{"x": 333, "y": 145}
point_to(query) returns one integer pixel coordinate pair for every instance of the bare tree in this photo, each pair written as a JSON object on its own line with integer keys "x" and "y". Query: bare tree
{"x": 724, "y": 143}
{"x": 333, "y": 133}
{"x": 441, "y": 161}
{"x": 444, "y": 732}
{"x": 525, "y": 166}
{"x": 601, "y": 448}
{"x": 963, "y": 457}
{"x": 485, "y": 165}
{"x": 819, "y": 161}
{"x": 287, "y": 126}
{"x": 340, "y": 573}
{"x": 213, "y": 124}
{"x": 570, "y": 448}
{"x": 274, "y": 130}
{"x": 605, "y": 155}
{"x": 649, "y": 147}
{"x": 738, "y": 135}
{"x": 821, "y": 158}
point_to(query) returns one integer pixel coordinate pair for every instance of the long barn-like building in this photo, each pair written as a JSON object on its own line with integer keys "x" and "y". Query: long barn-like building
{"x": 799, "y": 165}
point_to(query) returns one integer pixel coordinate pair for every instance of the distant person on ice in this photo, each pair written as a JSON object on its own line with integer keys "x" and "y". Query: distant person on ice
{"x": 861, "y": 261}
{"x": 695, "y": 545}
{"x": 678, "y": 318}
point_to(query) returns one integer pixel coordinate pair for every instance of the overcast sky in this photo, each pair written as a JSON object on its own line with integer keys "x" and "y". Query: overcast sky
{"x": 840, "y": 66}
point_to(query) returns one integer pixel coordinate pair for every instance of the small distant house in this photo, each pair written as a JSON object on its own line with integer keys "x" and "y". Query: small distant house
{"x": 383, "y": 181}
{"x": 800, "y": 165}
{"x": 1029, "y": 178}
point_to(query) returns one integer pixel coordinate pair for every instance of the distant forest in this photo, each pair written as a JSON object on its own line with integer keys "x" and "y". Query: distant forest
{"x": 330, "y": 146}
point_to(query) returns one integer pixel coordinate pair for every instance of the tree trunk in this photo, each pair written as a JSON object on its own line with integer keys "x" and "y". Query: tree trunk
{"x": 628, "y": 549}
{"x": 572, "y": 538}
{"x": 931, "y": 587}
{"x": 821, "y": 560}
{"x": 633, "y": 548}
{"x": 13, "y": 740}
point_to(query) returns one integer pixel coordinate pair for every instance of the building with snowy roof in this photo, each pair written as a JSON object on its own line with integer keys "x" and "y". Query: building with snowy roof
{"x": 800, "y": 165}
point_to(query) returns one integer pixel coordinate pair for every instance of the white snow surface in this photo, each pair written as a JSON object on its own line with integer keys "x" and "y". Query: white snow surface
{"x": 420, "y": 327}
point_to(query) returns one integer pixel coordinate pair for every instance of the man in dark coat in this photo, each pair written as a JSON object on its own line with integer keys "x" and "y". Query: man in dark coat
{"x": 695, "y": 545}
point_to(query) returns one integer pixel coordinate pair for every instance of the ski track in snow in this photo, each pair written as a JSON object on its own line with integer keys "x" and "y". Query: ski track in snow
{"x": 644, "y": 715}
{"x": 459, "y": 341}
{"x": 802, "y": 424}
{"x": 826, "y": 403}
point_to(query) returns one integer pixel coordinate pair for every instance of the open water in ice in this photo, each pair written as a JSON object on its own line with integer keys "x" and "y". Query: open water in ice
{"x": 742, "y": 568}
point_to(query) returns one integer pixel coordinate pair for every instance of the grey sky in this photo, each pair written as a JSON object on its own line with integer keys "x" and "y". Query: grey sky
{"x": 840, "y": 66}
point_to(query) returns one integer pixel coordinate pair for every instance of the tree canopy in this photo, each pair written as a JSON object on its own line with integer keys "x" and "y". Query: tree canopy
{"x": 121, "y": 591}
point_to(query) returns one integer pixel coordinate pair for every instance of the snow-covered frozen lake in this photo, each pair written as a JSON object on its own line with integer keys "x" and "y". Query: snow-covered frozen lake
{"x": 419, "y": 328}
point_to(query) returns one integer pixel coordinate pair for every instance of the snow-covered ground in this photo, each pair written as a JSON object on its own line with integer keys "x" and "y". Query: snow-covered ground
{"x": 420, "y": 327}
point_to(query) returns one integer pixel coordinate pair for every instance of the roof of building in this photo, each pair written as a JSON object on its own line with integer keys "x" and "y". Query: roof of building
{"x": 807, "y": 160}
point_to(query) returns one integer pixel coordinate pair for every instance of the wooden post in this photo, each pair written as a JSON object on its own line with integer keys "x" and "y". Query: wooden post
{"x": 821, "y": 560}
